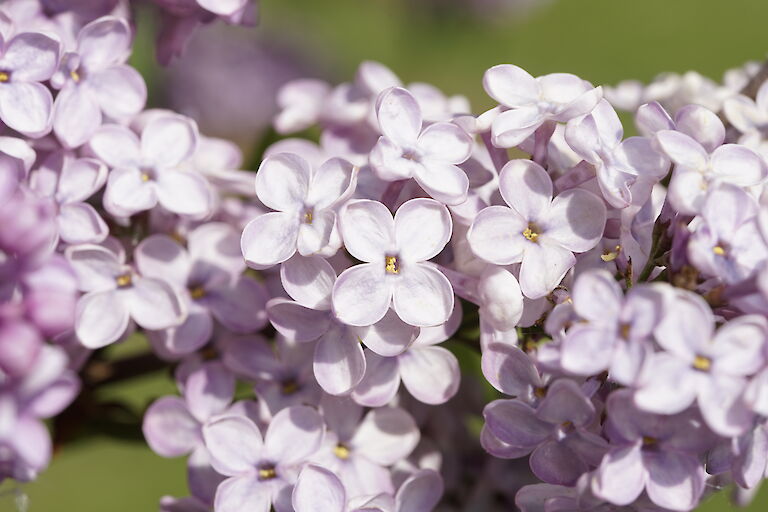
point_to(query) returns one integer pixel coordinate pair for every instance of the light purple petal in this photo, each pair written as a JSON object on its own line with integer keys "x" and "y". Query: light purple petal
{"x": 318, "y": 490}
{"x": 368, "y": 230}
{"x": 669, "y": 386}
{"x": 116, "y": 145}
{"x": 154, "y": 304}
{"x": 169, "y": 428}
{"x": 184, "y": 192}
{"x": 389, "y": 336}
{"x": 386, "y": 435}
{"x": 269, "y": 239}
{"x": 104, "y": 42}
{"x": 587, "y": 349}
{"x": 446, "y": 142}
{"x": 675, "y": 480}
{"x": 243, "y": 493}
{"x": 420, "y": 493}
{"x": 120, "y": 91}
{"x": 330, "y": 182}
{"x": 512, "y": 127}
{"x": 515, "y": 423}
{"x": 101, "y": 318}
{"x": 738, "y": 165}
{"x": 362, "y": 294}
{"x": 621, "y": 476}
{"x": 128, "y": 193}
{"x": 526, "y": 187}
{"x": 26, "y": 107}
{"x": 76, "y": 116}
{"x": 682, "y": 149}
{"x": 339, "y": 362}
{"x": 422, "y": 296}
{"x": 168, "y": 140}
{"x": 234, "y": 443}
{"x": 510, "y": 85}
{"x": 80, "y": 223}
{"x": 496, "y": 235}
{"x": 399, "y": 116}
{"x": 31, "y": 57}
{"x": 382, "y": 378}
{"x": 576, "y": 220}
{"x": 431, "y": 374}
{"x": 209, "y": 390}
{"x": 544, "y": 266}
{"x": 422, "y": 228}
{"x": 293, "y": 435}
{"x": 555, "y": 463}
{"x": 161, "y": 257}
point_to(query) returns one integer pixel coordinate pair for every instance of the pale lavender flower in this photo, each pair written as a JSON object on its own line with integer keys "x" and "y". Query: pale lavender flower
{"x": 261, "y": 470}
{"x": 394, "y": 271}
{"x": 429, "y": 155}
{"x": 94, "y": 79}
{"x": 748, "y": 115}
{"x": 115, "y": 294}
{"x": 535, "y": 230}
{"x": 658, "y": 454}
{"x": 26, "y": 60}
{"x": 208, "y": 278}
{"x": 301, "y": 102}
{"x": 70, "y": 182}
{"x": 530, "y": 102}
{"x": 304, "y": 199}
{"x": 618, "y": 165}
{"x": 144, "y": 173}
{"x": 702, "y": 365}
{"x": 556, "y": 433}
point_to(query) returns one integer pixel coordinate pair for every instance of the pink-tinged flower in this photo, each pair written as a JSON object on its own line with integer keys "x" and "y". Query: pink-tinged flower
{"x": 429, "y": 373}
{"x": 359, "y": 449}
{"x": 535, "y": 230}
{"x": 26, "y": 60}
{"x": 702, "y": 162}
{"x": 304, "y": 199}
{"x": 616, "y": 331}
{"x": 394, "y": 269}
{"x": 429, "y": 155}
{"x": 618, "y": 165}
{"x": 43, "y": 391}
{"x": 70, "y": 182}
{"x": 94, "y": 79}
{"x": 658, "y": 454}
{"x": 530, "y": 102}
{"x": 261, "y": 470}
{"x": 339, "y": 363}
{"x": 301, "y": 102}
{"x": 115, "y": 293}
{"x": 702, "y": 365}
{"x": 726, "y": 241}
{"x": 144, "y": 172}
{"x": 208, "y": 278}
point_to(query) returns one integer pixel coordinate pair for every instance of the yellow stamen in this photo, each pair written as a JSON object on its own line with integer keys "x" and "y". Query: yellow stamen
{"x": 124, "y": 280}
{"x": 267, "y": 473}
{"x": 530, "y": 234}
{"x": 75, "y": 75}
{"x": 4, "y": 77}
{"x": 649, "y": 441}
{"x": 719, "y": 250}
{"x": 540, "y": 392}
{"x": 610, "y": 255}
{"x": 308, "y": 217}
{"x": 624, "y": 331}
{"x": 341, "y": 451}
{"x": 290, "y": 387}
{"x": 391, "y": 265}
{"x": 198, "y": 292}
{"x": 144, "y": 176}
{"x": 702, "y": 363}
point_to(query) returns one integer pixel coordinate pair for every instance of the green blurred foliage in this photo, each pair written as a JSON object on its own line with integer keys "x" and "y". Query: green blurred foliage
{"x": 603, "y": 41}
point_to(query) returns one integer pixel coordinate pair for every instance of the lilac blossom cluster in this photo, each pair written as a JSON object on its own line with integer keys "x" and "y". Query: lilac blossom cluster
{"x": 614, "y": 289}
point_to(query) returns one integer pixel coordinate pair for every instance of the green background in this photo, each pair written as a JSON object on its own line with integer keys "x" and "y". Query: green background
{"x": 603, "y": 41}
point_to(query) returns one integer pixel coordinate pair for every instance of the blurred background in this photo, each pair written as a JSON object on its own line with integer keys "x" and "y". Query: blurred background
{"x": 228, "y": 78}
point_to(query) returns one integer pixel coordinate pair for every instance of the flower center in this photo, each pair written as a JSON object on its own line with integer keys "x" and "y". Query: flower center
{"x": 145, "y": 177}
{"x": 531, "y": 232}
{"x": 719, "y": 250}
{"x": 610, "y": 255}
{"x": 391, "y": 265}
{"x": 624, "y": 330}
{"x": 124, "y": 280}
{"x": 702, "y": 363}
{"x": 308, "y": 216}
{"x": 412, "y": 155}
{"x": 75, "y": 75}
{"x": 341, "y": 451}
{"x": 649, "y": 441}
{"x": 197, "y": 292}
{"x": 290, "y": 386}
{"x": 4, "y": 76}
{"x": 267, "y": 472}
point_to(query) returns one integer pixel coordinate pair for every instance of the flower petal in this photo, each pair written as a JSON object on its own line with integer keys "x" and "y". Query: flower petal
{"x": 269, "y": 239}
{"x": 318, "y": 490}
{"x": 443, "y": 181}
{"x": 26, "y": 107}
{"x": 510, "y": 85}
{"x": 168, "y": 140}
{"x": 431, "y": 374}
{"x": 422, "y": 228}
{"x": 101, "y": 318}
{"x": 576, "y": 220}
{"x": 496, "y": 235}
{"x": 381, "y": 381}
{"x": 399, "y": 116}
{"x": 234, "y": 443}
{"x": 154, "y": 304}
{"x": 184, "y": 193}
{"x": 544, "y": 266}
{"x": 526, "y": 187}
{"x": 169, "y": 428}
{"x": 339, "y": 362}
{"x": 293, "y": 435}
{"x": 243, "y": 493}
{"x": 422, "y": 296}
{"x": 446, "y": 142}
{"x": 368, "y": 230}
{"x": 362, "y": 294}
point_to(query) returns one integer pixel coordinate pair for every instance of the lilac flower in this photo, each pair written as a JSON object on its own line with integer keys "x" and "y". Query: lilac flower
{"x": 725, "y": 242}
{"x": 173, "y": 425}
{"x": 339, "y": 363}
{"x": 429, "y": 373}
{"x": 26, "y": 60}
{"x": 359, "y": 449}
{"x": 530, "y": 102}
{"x": 702, "y": 160}
{"x": 745, "y": 457}
{"x": 701, "y": 365}
{"x": 619, "y": 165}
{"x": 616, "y": 330}
{"x": 394, "y": 269}
{"x": 749, "y": 115}
{"x": 556, "y": 433}
{"x": 143, "y": 173}
{"x": 115, "y": 293}
{"x": 70, "y": 181}
{"x": 95, "y": 79}
{"x": 261, "y": 470}
{"x": 208, "y": 279}
{"x": 302, "y": 102}
{"x": 429, "y": 155}
{"x": 536, "y": 230}
{"x": 304, "y": 198}
{"x": 651, "y": 453}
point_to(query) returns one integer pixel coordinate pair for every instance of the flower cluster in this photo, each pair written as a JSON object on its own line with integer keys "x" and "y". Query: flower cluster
{"x": 613, "y": 291}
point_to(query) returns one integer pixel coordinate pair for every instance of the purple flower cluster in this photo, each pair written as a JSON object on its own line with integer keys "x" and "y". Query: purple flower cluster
{"x": 614, "y": 290}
